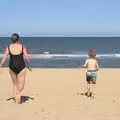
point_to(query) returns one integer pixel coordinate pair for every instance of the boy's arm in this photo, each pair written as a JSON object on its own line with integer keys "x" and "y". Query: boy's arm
{"x": 97, "y": 66}
{"x": 4, "y": 58}
{"x": 85, "y": 65}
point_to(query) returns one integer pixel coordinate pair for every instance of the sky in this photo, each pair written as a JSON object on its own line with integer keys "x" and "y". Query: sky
{"x": 37, "y": 17}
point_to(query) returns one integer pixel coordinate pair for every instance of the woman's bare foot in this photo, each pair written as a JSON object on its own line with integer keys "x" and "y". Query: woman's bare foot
{"x": 18, "y": 99}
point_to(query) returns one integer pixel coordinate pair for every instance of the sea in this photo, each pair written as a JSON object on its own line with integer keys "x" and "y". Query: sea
{"x": 69, "y": 52}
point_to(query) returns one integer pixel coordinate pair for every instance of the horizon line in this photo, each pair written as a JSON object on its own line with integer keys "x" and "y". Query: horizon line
{"x": 65, "y": 35}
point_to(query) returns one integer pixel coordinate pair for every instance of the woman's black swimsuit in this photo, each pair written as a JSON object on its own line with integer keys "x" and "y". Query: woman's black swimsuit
{"x": 16, "y": 62}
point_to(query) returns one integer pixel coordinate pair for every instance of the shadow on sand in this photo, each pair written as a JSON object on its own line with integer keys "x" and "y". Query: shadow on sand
{"x": 23, "y": 99}
{"x": 85, "y": 94}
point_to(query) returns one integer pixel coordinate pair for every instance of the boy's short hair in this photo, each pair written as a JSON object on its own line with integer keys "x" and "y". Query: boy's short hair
{"x": 92, "y": 53}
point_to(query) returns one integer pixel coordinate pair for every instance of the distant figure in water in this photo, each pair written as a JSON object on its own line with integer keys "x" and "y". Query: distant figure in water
{"x": 17, "y": 66}
{"x": 92, "y": 67}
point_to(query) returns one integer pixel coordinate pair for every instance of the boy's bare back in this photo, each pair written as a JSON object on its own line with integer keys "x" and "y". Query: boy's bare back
{"x": 91, "y": 64}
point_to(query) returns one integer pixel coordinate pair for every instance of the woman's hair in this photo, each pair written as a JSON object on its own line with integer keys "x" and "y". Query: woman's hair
{"x": 15, "y": 38}
{"x": 92, "y": 53}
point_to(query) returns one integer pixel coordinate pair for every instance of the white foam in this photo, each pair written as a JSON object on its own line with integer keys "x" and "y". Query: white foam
{"x": 50, "y": 56}
{"x": 38, "y": 56}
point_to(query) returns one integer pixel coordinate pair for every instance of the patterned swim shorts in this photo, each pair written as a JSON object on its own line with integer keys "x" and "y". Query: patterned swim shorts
{"x": 91, "y": 76}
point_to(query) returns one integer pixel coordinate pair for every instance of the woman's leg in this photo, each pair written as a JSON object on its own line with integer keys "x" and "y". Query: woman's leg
{"x": 15, "y": 85}
{"x": 21, "y": 79}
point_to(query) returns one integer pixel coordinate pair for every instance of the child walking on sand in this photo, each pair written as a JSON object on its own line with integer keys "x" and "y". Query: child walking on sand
{"x": 92, "y": 67}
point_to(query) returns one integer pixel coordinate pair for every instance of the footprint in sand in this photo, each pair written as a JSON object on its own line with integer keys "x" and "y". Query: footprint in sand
{"x": 115, "y": 99}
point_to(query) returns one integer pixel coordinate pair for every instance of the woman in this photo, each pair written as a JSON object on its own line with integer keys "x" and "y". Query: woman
{"x": 17, "y": 67}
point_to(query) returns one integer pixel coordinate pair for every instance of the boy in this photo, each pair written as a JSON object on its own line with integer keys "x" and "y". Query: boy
{"x": 92, "y": 67}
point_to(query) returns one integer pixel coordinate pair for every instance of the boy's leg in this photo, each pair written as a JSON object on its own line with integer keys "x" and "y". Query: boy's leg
{"x": 93, "y": 89}
{"x": 88, "y": 84}
{"x": 93, "y": 86}
{"x": 88, "y": 89}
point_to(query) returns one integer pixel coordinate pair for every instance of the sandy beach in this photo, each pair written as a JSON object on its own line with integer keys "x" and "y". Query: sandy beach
{"x": 57, "y": 96}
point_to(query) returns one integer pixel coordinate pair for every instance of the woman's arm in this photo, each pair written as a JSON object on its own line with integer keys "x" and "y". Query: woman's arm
{"x": 4, "y": 58}
{"x": 27, "y": 56}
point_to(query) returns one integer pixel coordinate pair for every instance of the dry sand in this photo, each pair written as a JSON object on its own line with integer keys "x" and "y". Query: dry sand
{"x": 56, "y": 94}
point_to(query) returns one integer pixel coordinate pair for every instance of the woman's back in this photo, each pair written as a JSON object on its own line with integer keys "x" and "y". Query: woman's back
{"x": 15, "y": 48}
{"x": 16, "y": 63}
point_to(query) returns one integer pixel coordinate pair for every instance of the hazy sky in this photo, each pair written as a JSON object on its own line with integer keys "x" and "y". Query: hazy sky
{"x": 59, "y": 17}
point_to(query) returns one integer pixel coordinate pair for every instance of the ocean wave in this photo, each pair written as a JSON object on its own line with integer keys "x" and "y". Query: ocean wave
{"x": 46, "y": 55}
{"x": 52, "y": 56}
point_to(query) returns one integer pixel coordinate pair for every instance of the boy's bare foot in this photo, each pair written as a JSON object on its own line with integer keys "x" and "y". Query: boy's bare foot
{"x": 90, "y": 95}
{"x": 93, "y": 95}
{"x": 86, "y": 94}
